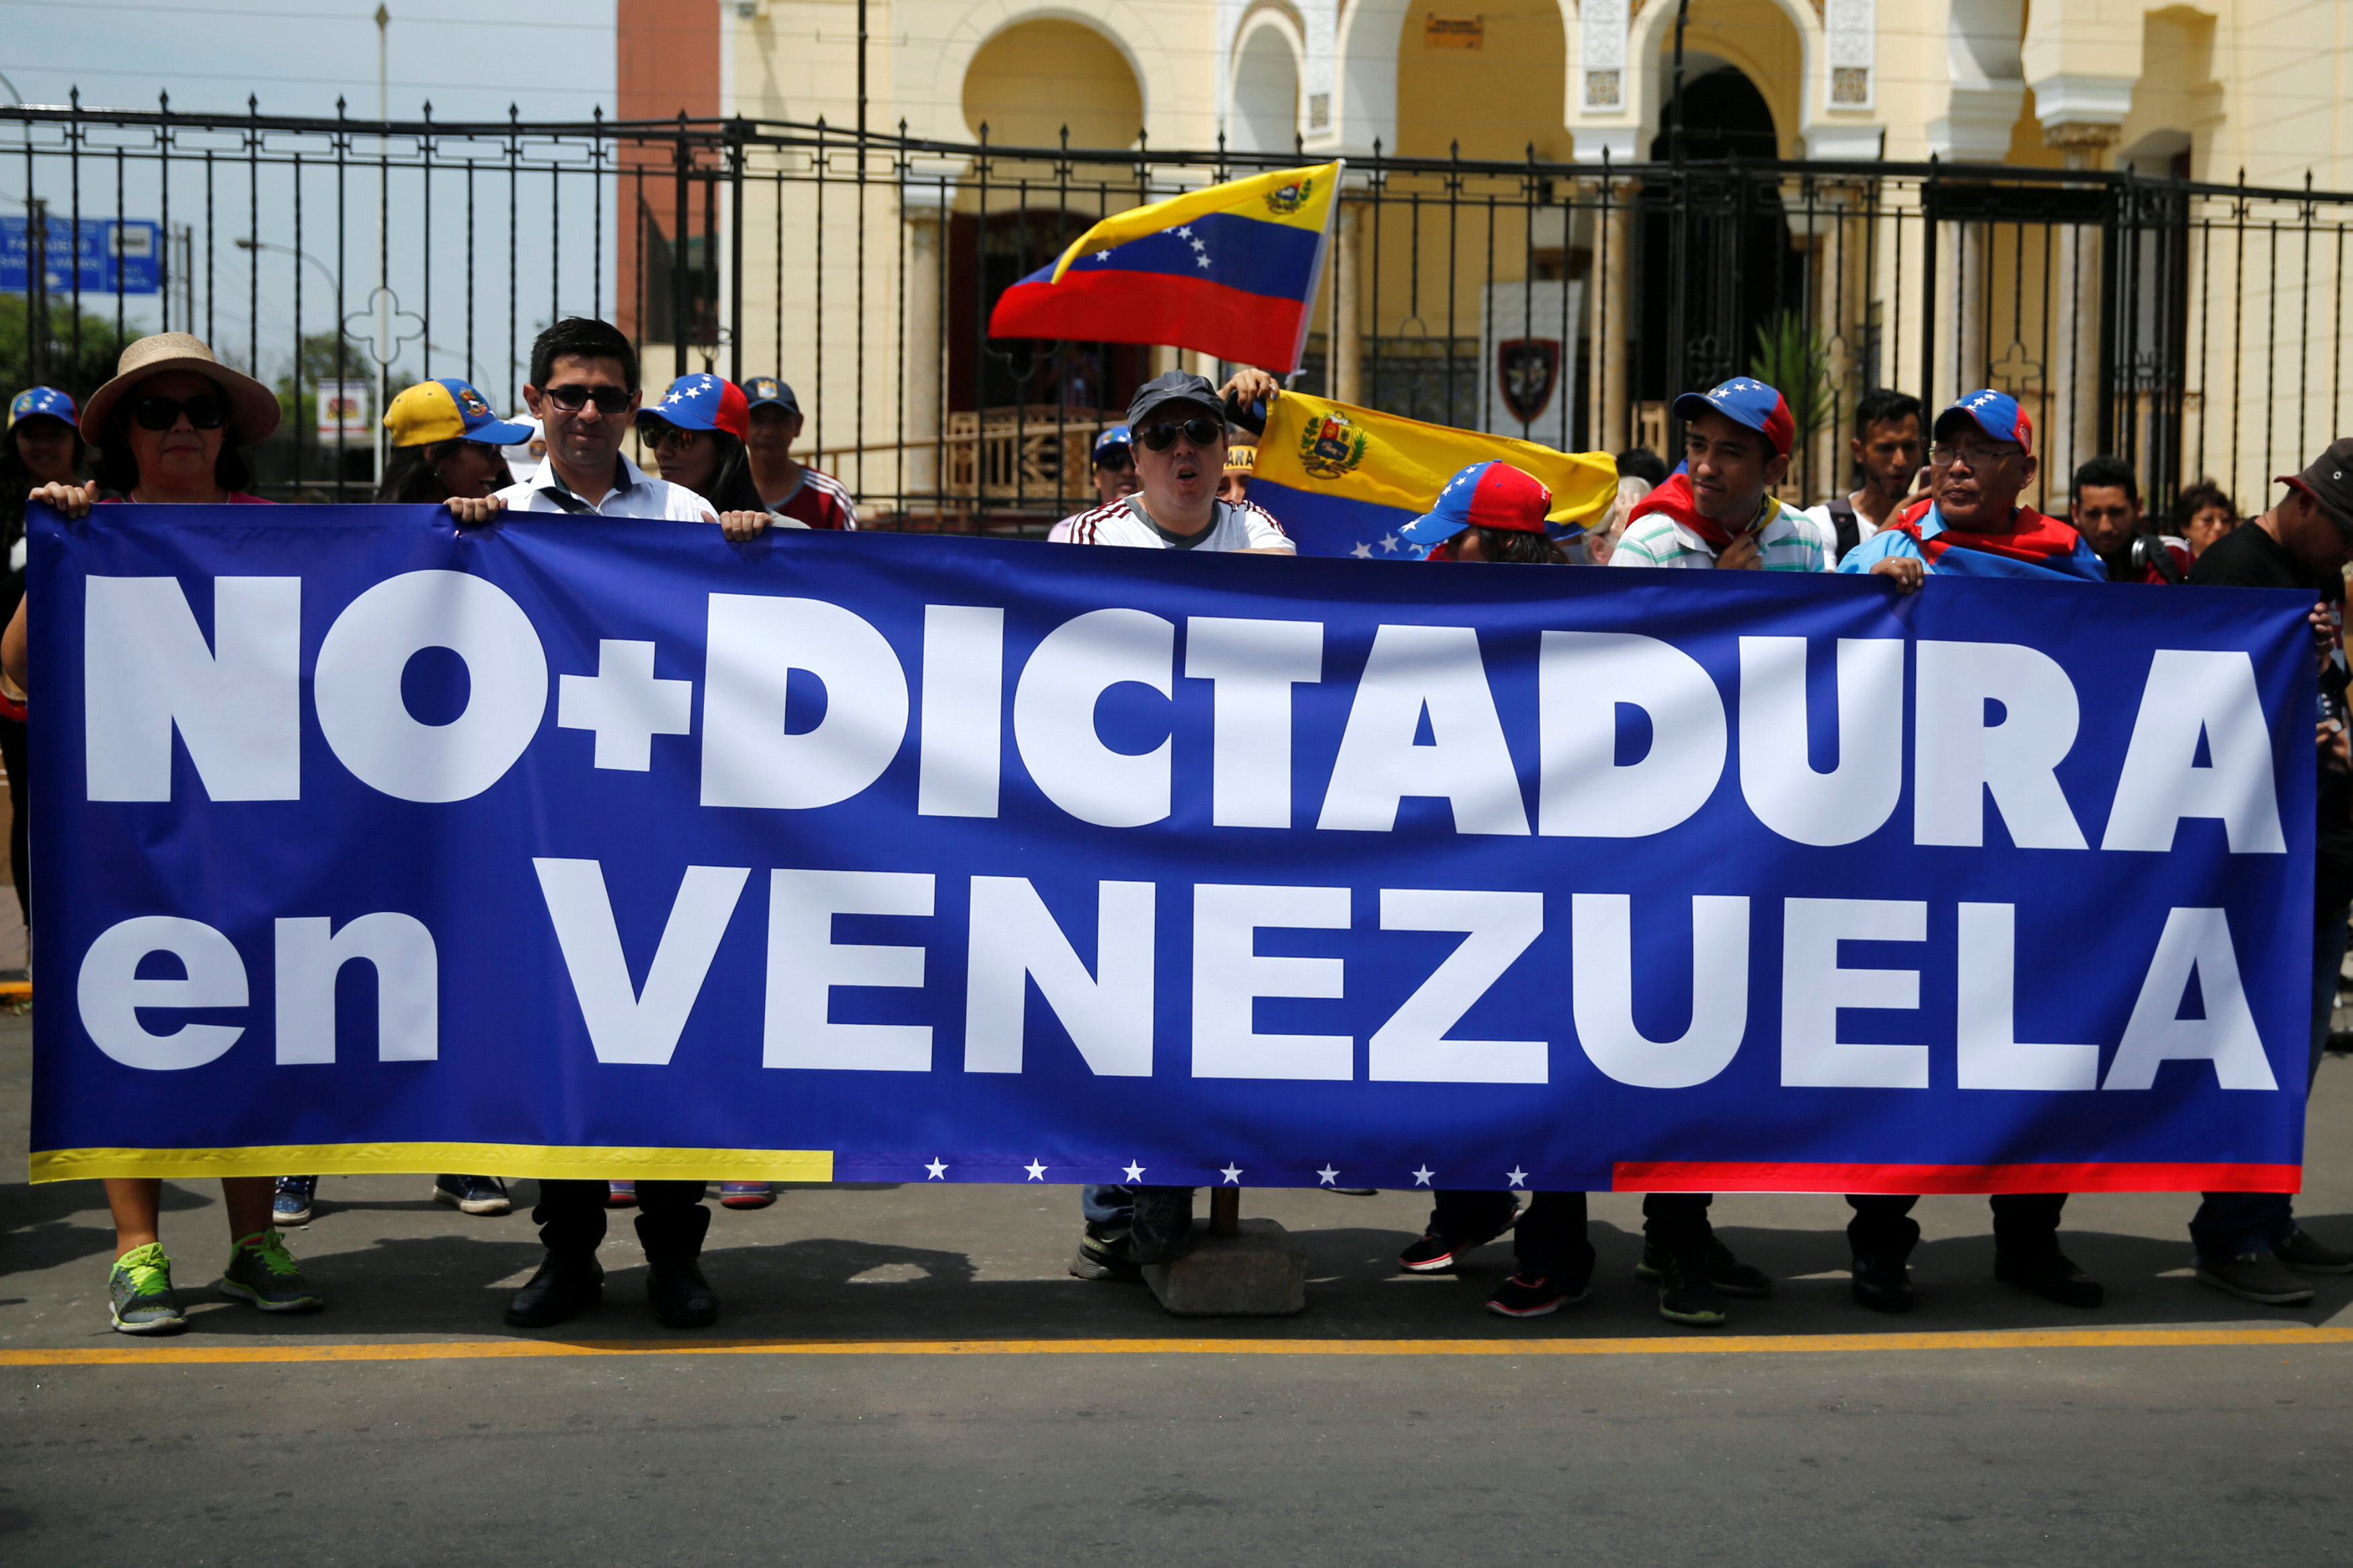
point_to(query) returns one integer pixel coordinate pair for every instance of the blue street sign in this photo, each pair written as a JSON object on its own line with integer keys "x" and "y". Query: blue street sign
{"x": 113, "y": 255}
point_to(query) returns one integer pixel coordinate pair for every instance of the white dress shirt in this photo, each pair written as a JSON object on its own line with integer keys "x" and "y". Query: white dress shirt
{"x": 635, "y": 493}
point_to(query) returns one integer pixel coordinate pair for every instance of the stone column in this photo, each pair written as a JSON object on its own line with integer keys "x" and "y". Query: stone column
{"x": 925, "y": 209}
{"x": 1347, "y": 349}
{"x": 2073, "y": 427}
{"x": 1613, "y": 308}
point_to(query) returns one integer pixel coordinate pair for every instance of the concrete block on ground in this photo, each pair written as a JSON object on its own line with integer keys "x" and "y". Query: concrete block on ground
{"x": 1261, "y": 1273}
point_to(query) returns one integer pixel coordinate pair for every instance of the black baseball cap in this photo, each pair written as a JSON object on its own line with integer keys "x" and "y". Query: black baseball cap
{"x": 2328, "y": 483}
{"x": 1176, "y": 386}
{"x": 767, "y": 391}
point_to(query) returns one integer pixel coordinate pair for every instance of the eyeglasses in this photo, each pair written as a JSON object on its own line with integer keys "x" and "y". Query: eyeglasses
{"x": 572, "y": 399}
{"x": 671, "y": 435}
{"x": 1197, "y": 432}
{"x": 1972, "y": 458}
{"x": 1114, "y": 457}
{"x": 205, "y": 411}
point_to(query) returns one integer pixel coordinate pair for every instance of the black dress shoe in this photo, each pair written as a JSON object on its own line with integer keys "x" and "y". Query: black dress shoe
{"x": 681, "y": 1297}
{"x": 2050, "y": 1276}
{"x": 562, "y": 1287}
{"x": 1882, "y": 1284}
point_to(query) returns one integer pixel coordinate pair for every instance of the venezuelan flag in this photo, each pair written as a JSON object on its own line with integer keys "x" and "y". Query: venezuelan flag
{"x": 1343, "y": 479}
{"x": 1229, "y": 272}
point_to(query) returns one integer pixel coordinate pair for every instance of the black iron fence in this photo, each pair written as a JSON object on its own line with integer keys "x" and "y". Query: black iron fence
{"x": 2196, "y": 330}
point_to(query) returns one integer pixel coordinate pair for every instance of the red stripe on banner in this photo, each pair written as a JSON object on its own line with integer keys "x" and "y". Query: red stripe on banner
{"x": 1153, "y": 307}
{"x": 1809, "y": 1176}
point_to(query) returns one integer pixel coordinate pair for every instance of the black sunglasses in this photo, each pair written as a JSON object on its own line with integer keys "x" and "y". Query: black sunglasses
{"x": 205, "y": 411}
{"x": 1198, "y": 432}
{"x": 572, "y": 399}
{"x": 671, "y": 435}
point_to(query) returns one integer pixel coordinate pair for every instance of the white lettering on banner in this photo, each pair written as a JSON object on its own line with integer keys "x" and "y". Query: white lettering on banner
{"x": 804, "y": 963}
{"x": 753, "y": 644}
{"x": 1813, "y": 989}
{"x": 1253, "y": 665}
{"x": 1958, "y": 759}
{"x": 1601, "y": 991}
{"x": 1054, "y": 716}
{"x": 237, "y": 704}
{"x": 356, "y": 686}
{"x": 2193, "y": 941}
{"x": 964, "y": 710}
{"x": 1850, "y": 801}
{"x": 625, "y": 1025}
{"x": 1415, "y": 671}
{"x": 1014, "y": 939}
{"x": 1229, "y": 975}
{"x": 1413, "y": 1046}
{"x": 109, "y": 992}
{"x": 2191, "y": 694}
{"x": 1989, "y": 1054}
{"x": 1583, "y": 679}
{"x": 624, "y": 705}
{"x": 407, "y": 986}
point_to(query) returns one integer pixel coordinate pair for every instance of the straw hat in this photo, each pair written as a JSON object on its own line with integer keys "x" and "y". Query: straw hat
{"x": 253, "y": 407}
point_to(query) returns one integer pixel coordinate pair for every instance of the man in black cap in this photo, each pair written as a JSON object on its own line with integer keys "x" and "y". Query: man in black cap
{"x": 2249, "y": 1244}
{"x": 1178, "y": 423}
{"x": 789, "y": 489}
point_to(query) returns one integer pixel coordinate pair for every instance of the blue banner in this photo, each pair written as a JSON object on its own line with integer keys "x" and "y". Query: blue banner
{"x": 577, "y": 846}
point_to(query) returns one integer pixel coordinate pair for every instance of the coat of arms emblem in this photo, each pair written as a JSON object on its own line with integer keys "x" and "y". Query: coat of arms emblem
{"x": 1290, "y": 198}
{"x": 1332, "y": 447}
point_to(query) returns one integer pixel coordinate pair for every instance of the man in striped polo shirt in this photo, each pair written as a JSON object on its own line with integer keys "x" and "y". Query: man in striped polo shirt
{"x": 1720, "y": 511}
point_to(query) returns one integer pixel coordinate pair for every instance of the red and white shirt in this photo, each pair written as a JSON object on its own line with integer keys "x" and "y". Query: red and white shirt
{"x": 819, "y": 500}
{"x": 1239, "y": 525}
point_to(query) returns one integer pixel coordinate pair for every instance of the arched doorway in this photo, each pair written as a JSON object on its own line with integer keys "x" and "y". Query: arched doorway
{"x": 1266, "y": 94}
{"x": 1033, "y": 79}
{"x": 1720, "y": 264}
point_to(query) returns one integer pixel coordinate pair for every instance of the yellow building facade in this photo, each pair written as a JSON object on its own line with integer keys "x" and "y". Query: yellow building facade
{"x": 869, "y": 296}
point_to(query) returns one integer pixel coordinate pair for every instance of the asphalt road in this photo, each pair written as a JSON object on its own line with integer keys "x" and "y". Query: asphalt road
{"x": 999, "y": 1412}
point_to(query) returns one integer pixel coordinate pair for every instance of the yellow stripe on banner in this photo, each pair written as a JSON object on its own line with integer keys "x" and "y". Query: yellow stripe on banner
{"x": 182, "y": 1354}
{"x": 1320, "y": 447}
{"x": 1268, "y": 198}
{"x": 595, "y": 1163}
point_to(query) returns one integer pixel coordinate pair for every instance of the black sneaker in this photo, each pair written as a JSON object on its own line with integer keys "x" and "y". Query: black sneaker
{"x": 1103, "y": 1254}
{"x": 2050, "y": 1276}
{"x": 1882, "y": 1284}
{"x": 1433, "y": 1254}
{"x": 1725, "y": 1273}
{"x": 566, "y": 1283}
{"x": 1686, "y": 1288}
{"x": 473, "y": 1194}
{"x": 1523, "y": 1298}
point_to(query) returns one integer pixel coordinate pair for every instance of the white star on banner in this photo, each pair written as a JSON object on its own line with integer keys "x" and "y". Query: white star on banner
{"x": 1361, "y": 552}
{"x": 1329, "y": 1175}
{"x": 1390, "y": 544}
{"x": 1186, "y": 232}
{"x": 1516, "y": 1176}
{"x": 1232, "y": 1174}
{"x": 1421, "y": 1177}
{"x": 1135, "y": 1172}
{"x": 1102, "y": 255}
{"x": 936, "y": 1171}
{"x": 1036, "y": 1171}
{"x": 1202, "y": 261}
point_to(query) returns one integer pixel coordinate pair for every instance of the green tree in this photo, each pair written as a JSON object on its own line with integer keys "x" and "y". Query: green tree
{"x": 1791, "y": 359}
{"x": 79, "y": 370}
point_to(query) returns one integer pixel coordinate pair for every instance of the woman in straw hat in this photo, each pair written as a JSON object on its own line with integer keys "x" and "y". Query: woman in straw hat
{"x": 170, "y": 428}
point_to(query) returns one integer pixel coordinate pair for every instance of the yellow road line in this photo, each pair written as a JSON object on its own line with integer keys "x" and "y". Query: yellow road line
{"x": 185, "y": 1354}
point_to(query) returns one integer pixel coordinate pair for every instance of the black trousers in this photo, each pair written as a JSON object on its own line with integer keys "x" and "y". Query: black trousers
{"x": 671, "y": 1218}
{"x": 1550, "y": 1241}
{"x": 2025, "y": 1225}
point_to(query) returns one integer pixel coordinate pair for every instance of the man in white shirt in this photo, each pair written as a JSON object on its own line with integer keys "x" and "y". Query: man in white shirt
{"x": 1887, "y": 452}
{"x": 583, "y": 389}
{"x": 1179, "y": 426}
{"x": 584, "y": 392}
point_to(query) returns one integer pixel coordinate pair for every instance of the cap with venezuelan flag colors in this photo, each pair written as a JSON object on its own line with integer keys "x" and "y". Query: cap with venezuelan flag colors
{"x": 46, "y": 400}
{"x": 449, "y": 410}
{"x": 703, "y": 402}
{"x": 1490, "y": 494}
{"x": 1995, "y": 413}
{"x": 1745, "y": 400}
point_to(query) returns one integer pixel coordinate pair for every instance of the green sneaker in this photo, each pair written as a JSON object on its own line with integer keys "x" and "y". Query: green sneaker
{"x": 263, "y": 1272}
{"x": 139, "y": 1292}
